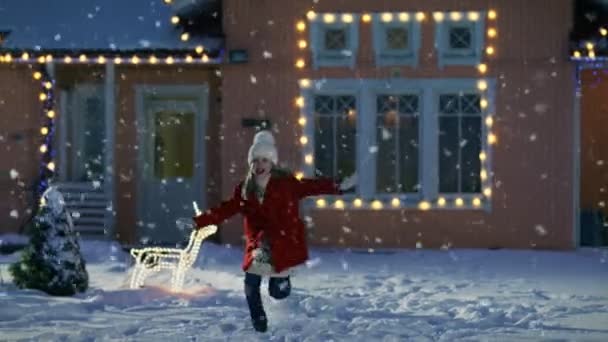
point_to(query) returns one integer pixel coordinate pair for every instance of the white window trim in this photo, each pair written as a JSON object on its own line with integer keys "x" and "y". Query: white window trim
{"x": 442, "y": 40}
{"x": 365, "y": 92}
{"x": 319, "y": 53}
{"x": 387, "y": 57}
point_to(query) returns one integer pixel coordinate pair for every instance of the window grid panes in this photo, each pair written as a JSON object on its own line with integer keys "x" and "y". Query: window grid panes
{"x": 397, "y": 127}
{"x": 335, "y": 135}
{"x": 397, "y": 38}
{"x": 335, "y": 39}
{"x": 460, "y": 38}
{"x": 460, "y": 142}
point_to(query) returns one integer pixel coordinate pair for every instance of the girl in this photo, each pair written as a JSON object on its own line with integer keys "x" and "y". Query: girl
{"x": 268, "y": 199}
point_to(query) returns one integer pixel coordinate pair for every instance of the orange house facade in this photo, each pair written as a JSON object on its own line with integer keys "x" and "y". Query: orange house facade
{"x": 461, "y": 121}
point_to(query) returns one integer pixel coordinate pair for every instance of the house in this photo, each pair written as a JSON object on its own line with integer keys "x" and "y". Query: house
{"x": 460, "y": 118}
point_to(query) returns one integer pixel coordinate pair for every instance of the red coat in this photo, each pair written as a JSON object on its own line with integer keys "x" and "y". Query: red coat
{"x": 277, "y": 218}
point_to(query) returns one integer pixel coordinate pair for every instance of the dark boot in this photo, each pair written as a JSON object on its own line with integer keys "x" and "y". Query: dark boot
{"x": 254, "y": 301}
{"x": 279, "y": 288}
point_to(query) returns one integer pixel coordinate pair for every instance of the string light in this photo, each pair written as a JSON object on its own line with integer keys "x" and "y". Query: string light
{"x": 492, "y": 14}
{"x": 329, "y": 18}
{"x": 302, "y": 44}
{"x": 174, "y": 20}
{"x": 473, "y": 16}
{"x": 300, "y": 63}
{"x": 459, "y": 202}
{"x": 358, "y": 203}
{"x": 302, "y": 121}
{"x": 492, "y": 33}
{"x": 441, "y": 202}
{"x": 420, "y": 16}
{"x": 155, "y": 259}
{"x": 301, "y": 26}
{"x": 490, "y": 50}
{"x": 347, "y": 18}
{"x": 376, "y": 205}
{"x": 321, "y": 203}
{"x": 387, "y": 17}
{"x": 603, "y": 31}
{"x": 455, "y": 16}
{"x": 300, "y": 101}
{"x": 308, "y": 159}
{"x": 311, "y": 15}
{"x": 487, "y": 192}
{"x": 25, "y": 56}
{"x": 185, "y": 36}
{"x": 199, "y": 49}
{"x": 424, "y": 205}
{"x": 339, "y": 204}
{"x": 404, "y": 17}
{"x": 299, "y": 175}
{"x": 305, "y": 83}
{"x": 483, "y": 68}
{"x": 303, "y": 140}
{"x": 366, "y": 18}
{"x": 396, "y": 203}
{"x": 438, "y": 16}
{"x": 37, "y": 75}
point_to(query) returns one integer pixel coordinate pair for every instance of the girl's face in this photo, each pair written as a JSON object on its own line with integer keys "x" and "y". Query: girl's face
{"x": 261, "y": 166}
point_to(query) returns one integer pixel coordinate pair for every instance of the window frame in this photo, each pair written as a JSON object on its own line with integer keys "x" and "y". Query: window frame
{"x": 388, "y": 57}
{"x": 320, "y": 55}
{"x": 449, "y": 56}
{"x": 365, "y": 92}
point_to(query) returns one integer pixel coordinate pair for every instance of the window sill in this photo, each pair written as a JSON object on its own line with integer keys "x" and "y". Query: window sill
{"x": 398, "y": 201}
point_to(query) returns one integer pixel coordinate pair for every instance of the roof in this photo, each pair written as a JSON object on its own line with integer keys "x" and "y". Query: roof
{"x": 100, "y": 25}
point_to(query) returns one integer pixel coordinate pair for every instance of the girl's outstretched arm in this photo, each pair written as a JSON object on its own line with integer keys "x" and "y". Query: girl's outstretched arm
{"x": 222, "y": 212}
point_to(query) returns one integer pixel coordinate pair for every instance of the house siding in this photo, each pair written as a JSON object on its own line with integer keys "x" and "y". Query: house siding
{"x": 531, "y": 163}
{"x": 20, "y": 118}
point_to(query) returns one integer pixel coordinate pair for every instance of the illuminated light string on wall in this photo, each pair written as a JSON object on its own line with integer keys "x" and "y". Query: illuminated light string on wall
{"x": 482, "y": 85}
{"x": 47, "y": 131}
{"x": 29, "y": 58}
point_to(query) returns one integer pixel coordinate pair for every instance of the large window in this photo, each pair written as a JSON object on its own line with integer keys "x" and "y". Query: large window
{"x": 408, "y": 140}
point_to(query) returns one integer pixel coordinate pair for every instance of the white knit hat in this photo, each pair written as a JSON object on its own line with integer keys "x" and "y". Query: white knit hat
{"x": 263, "y": 147}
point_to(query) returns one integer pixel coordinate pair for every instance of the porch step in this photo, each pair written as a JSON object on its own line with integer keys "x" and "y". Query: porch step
{"x": 89, "y": 206}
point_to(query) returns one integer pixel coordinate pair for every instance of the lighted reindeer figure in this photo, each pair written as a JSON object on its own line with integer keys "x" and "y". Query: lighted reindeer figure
{"x": 153, "y": 259}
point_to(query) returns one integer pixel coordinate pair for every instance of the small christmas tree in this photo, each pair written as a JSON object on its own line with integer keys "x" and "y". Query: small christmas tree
{"x": 52, "y": 261}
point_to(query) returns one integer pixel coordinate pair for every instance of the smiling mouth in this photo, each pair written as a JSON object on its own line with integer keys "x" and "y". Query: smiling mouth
{"x": 259, "y": 171}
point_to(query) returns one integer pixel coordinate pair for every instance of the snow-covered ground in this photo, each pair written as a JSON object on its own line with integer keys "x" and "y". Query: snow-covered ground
{"x": 415, "y": 295}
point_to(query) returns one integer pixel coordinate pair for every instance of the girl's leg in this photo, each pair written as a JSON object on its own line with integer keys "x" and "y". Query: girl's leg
{"x": 279, "y": 288}
{"x": 254, "y": 301}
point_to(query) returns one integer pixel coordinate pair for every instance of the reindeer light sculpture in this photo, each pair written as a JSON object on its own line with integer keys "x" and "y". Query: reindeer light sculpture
{"x": 154, "y": 259}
